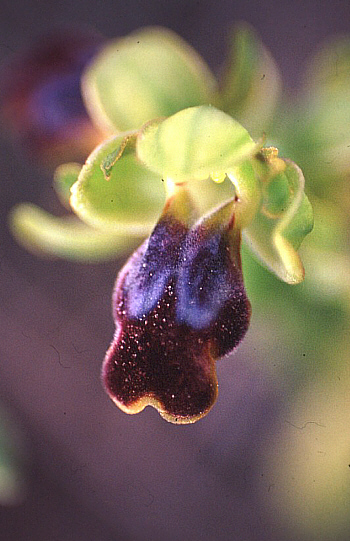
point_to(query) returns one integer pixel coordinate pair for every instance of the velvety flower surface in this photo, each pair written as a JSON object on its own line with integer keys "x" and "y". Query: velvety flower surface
{"x": 179, "y": 305}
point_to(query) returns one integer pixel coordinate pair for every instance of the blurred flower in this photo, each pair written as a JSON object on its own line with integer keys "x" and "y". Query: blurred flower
{"x": 40, "y": 96}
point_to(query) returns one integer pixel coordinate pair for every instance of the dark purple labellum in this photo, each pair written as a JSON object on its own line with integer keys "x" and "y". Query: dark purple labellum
{"x": 179, "y": 305}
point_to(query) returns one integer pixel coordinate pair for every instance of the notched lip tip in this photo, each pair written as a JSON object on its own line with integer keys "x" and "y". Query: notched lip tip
{"x": 182, "y": 420}
{"x": 139, "y": 405}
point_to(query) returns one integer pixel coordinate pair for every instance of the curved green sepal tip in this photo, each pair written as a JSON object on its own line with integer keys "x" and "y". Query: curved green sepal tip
{"x": 251, "y": 83}
{"x": 116, "y": 192}
{"x": 148, "y": 74}
{"x": 66, "y": 237}
{"x": 193, "y": 144}
{"x": 64, "y": 177}
{"x": 284, "y": 219}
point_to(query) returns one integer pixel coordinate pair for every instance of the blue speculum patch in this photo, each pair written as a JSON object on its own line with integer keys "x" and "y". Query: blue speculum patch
{"x": 179, "y": 305}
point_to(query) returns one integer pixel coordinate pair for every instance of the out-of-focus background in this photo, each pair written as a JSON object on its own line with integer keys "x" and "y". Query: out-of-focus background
{"x": 271, "y": 461}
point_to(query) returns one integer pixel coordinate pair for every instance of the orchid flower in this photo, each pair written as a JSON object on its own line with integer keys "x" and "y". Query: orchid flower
{"x": 189, "y": 177}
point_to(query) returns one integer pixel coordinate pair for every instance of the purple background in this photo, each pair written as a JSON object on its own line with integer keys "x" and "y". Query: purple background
{"x": 92, "y": 472}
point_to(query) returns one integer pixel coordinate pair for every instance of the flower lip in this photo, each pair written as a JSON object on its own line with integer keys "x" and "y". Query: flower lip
{"x": 179, "y": 305}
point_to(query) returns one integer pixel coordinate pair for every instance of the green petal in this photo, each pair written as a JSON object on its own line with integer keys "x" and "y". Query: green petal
{"x": 115, "y": 192}
{"x": 251, "y": 83}
{"x": 66, "y": 237}
{"x": 64, "y": 178}
{"x": 148, "y": 74}
{"x": 285, "y": 218}
{"x": 194, "y": 144}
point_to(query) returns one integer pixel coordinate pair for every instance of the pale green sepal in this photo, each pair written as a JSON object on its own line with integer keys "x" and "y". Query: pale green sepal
{"x": 150, "y": 73}
{"x": 284, "y": 219}
{"x": 64, "y": 177}
{"x": 65, "y": 237}
{"x": 194, "y": 144}
{"x": 115, "y": 192}
{"x": 251, "y": 82}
